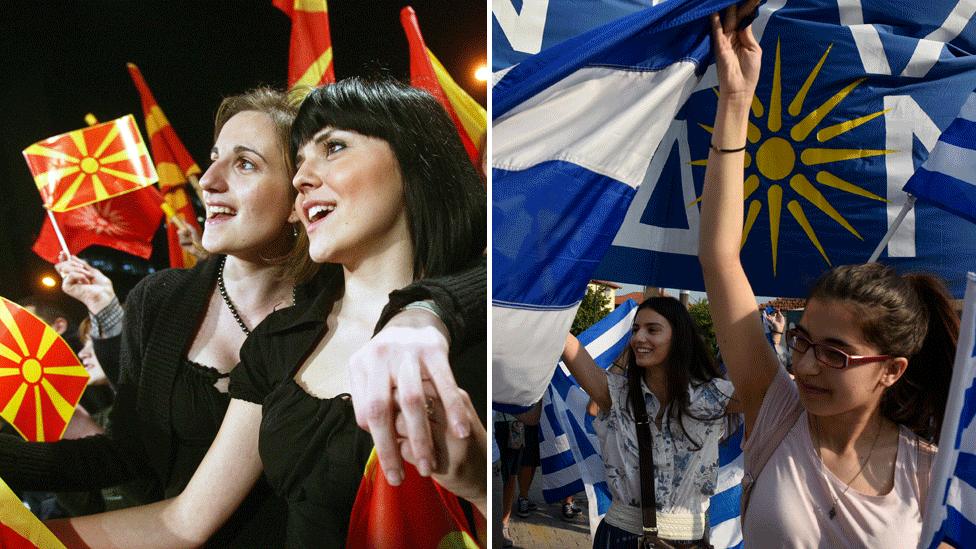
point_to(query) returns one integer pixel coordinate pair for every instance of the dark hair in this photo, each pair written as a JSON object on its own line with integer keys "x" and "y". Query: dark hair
{"x": 444, "y": 199}
{"x": 281, "y": 108}
{"x": 45, "y": 309}
{"x": 689, "y": 361}
{"x": 908, "y": 316}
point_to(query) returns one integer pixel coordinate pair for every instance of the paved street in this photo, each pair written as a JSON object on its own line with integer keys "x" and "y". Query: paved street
{"x": 545, "y": 528}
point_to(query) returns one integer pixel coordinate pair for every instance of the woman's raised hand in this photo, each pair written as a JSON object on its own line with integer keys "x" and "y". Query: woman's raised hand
{"x": 412, "y": 348}
{"x": 84, "y": 282}
{"x": 738, "y": 56}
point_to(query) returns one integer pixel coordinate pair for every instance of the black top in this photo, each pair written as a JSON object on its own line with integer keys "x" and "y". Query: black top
{"x": 313, "y": 451}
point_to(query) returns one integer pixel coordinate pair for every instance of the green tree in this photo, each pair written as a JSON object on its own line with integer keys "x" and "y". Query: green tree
{"x": 591, "y": 309}
{"x": 703, "y": 318}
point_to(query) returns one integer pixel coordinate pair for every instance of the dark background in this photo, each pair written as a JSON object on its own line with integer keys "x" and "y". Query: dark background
{"x": 60, "y": 60}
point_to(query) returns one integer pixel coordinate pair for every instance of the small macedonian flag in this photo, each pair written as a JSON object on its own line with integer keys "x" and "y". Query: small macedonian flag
{"x": 41, "y": 379}
{"x": 78, "y": 168}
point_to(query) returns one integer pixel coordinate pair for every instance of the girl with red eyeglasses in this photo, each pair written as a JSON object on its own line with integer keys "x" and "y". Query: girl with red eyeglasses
{"x": 841, "y": 456}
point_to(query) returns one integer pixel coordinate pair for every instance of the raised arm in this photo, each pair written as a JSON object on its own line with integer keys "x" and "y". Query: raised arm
{"x": 750, "y": 360}
{"x": 591, "y": 377}
{"x": 219, "y": 485}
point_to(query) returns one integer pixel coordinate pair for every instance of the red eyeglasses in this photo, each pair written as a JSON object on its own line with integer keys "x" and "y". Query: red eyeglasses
{"x": 827, "y": 355}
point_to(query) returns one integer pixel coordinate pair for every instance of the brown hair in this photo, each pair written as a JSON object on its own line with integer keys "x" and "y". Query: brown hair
{"x": 281, "y": 108}
{"x": 909, "y": 316}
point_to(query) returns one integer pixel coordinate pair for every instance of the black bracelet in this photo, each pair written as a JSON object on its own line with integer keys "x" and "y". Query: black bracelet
{"x": 777, "y": 333}
{"x": 716, "y": 149}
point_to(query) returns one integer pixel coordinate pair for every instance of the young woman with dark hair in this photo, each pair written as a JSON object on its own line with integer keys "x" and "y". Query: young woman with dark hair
{"x": 388, "y": 199}
{"x": 841, "y": 456}
{"x": 669, "y": 368}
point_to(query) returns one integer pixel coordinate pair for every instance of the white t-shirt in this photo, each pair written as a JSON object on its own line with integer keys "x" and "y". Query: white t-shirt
{"x": 793, "y": 493}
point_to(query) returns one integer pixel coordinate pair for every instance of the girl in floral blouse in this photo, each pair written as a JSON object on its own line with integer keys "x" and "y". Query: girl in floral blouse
{"x": 687, "y": 401}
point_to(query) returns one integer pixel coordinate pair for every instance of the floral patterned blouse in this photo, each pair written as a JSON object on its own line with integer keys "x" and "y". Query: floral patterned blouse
{"x": 685, "y": 475}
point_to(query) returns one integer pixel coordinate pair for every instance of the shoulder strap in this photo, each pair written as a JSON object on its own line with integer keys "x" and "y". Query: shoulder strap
{"x": 923, "y": 472}
{"x": 645, "y": 450}
{"x": 754, "y": 461}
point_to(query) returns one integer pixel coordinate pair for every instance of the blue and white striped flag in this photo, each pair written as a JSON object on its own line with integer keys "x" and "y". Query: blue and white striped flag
{"x": 723, "y": 508}
{"x": 948, "y": 176}
{"x": 575, "y": 128}
{"x": 951, "y": 504}
{"x": 569, "y": 449}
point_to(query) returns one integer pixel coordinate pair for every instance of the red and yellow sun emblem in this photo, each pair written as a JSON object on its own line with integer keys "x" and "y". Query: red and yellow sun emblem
{"x": 77, "y": 168}
{"x": 41, "y": 379}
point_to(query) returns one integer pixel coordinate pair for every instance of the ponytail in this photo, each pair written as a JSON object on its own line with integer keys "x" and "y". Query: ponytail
{"x": 918, "y": 399}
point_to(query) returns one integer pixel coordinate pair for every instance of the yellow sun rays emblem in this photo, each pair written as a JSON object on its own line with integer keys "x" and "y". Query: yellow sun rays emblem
{"x": 775, "y": 163}
{"x": 41, "y": 378}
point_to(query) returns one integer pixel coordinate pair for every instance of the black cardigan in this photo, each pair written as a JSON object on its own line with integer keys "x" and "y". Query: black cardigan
{"x": 163, "y": 313}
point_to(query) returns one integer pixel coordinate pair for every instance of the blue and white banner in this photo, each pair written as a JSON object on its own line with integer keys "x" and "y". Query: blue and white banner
{"x": 574, "y": 128}
{"x": 569, "y": 450}
{"x": 951, "y": 504}
{"x": 723, "y": 507}
{"x": 522, "y": 28}
{"x": 852, "y": 97}
{"x": 948, "y": 176}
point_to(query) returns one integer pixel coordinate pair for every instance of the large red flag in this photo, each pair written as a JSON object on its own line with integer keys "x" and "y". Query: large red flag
{"x": 174, "y": 166}
{"x": 41, "y": 379}
{"x": 126, "y": 223}
{"x": 78, "y": 168}
{"x": 310, "y": 49}
{"x": 427, "y": 73}
{"x": 378, "y": 520}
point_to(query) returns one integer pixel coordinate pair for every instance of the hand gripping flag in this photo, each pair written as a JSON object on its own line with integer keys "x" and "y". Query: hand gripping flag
{"x": 19, "y": 528}
{"x": 951, "y": 504}
{"x": 41, "y": 379}
{"x": 574, "y": 130}
{"x": 427, "y": 73}
{"x": 851, "y": 99}
{"x": 78, "y": 168}
{"x": 380, "y": 520}
{"x": 310, "y": 48}
{"x": 174, "y": 166}
{"x": 126, "y": 223}
{"x": 569, "y": 449}
{"x": 947, "y": 179}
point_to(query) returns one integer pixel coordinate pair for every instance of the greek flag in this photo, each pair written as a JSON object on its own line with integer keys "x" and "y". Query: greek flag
{"x": 948, "y": 176}
{"x": 569, "y": 449}
{"x": 723, "y": 507}
{"x": 951, "y": 504}
{"x": 574, "y": 130}
{"x": 852, "y": 98}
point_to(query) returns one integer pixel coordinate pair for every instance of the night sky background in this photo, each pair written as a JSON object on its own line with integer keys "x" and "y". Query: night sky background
{"x": 60, "y": 60}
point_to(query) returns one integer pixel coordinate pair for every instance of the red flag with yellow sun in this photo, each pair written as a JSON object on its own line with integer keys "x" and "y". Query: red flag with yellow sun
{"x": 19, "y": 528}
{"x": 41, "y": 379}
{"x": 78, "y": 168}
{"x": 377, "y": 520}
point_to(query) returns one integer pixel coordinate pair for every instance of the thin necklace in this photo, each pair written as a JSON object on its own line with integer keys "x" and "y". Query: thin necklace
{"x": 833, "y": 505}
{"x": 230, "y": 304}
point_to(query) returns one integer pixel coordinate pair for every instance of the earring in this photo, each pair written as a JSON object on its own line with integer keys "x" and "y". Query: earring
{"x": 294, "y": 230}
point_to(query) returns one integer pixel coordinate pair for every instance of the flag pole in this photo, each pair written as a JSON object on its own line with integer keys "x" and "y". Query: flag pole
{"x": 195, "y": 183}
{"x": 57, "y": 231}
{"x": 909, "y": 204}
